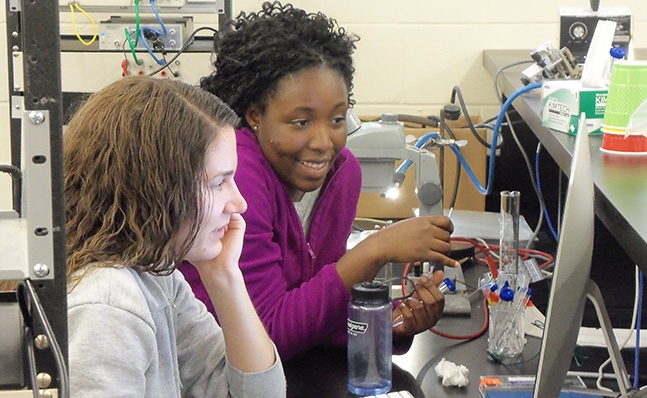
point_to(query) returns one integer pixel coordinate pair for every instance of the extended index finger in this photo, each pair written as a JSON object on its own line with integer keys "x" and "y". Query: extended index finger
{"x": 444, "y": 260}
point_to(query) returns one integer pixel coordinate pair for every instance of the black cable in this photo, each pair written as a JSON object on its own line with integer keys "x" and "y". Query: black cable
{"x": 175, "y": 74}
{"x": 501, "y": 70}
{"x": 28, "y": 340}
{"x": 511, "y": 111}
{"x": 490, "y": 120}
{"x": 485, "y": 126}
{"x": 31, "y": 360}
{"x": 457, "y": 180}
{"x": 457, "y": 91}
{"x": 186, "y": 45}
{"x": 11, "y": 169}
{"x": 16, "y": 175}
{"x": 27, "y": 298}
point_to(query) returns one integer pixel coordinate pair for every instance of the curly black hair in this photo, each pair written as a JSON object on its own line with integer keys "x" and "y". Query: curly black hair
{"x": 256, "y": 51}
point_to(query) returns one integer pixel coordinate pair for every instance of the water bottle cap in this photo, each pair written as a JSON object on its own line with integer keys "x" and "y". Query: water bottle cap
{"x": 371, "y": 291}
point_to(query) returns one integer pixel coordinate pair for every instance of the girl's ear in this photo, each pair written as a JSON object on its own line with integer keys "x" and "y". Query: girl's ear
{"x": 253, "y": 116}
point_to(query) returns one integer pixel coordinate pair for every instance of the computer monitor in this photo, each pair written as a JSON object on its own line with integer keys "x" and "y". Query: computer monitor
{"x": 571, "y": 274}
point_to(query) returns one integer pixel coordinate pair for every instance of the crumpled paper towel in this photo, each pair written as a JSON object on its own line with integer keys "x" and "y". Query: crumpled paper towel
{"x": 452, "y": 374}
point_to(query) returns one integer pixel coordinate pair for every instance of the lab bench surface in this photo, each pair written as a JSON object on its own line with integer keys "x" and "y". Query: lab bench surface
{"x": 322, "y": 372}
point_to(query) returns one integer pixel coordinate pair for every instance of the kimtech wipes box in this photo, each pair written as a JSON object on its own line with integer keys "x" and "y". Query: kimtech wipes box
{"x": 564, "y": 100}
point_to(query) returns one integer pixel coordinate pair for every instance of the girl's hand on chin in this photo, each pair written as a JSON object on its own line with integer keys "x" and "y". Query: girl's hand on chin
{"x": 232, "y": 245}
{"x": 232, "y": 241}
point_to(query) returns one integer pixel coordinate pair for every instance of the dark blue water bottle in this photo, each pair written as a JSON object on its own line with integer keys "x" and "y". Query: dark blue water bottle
{"x": 370, "y": 336}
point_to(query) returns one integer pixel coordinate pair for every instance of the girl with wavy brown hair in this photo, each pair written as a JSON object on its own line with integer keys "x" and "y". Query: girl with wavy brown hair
{"x": 149, "y": 182}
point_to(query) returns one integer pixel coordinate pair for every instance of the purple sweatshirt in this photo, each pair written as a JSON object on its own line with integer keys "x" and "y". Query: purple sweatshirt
{"x": 291, "y": 277}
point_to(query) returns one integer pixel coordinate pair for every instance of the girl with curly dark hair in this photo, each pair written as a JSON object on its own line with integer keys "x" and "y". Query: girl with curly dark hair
{"x": 289, "y": 75}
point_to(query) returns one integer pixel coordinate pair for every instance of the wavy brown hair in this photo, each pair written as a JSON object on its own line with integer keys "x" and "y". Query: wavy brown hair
{"x": 134, "y": 169}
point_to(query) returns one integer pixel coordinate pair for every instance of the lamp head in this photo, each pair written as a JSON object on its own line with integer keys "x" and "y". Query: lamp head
{"x": 353, "y": 122}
